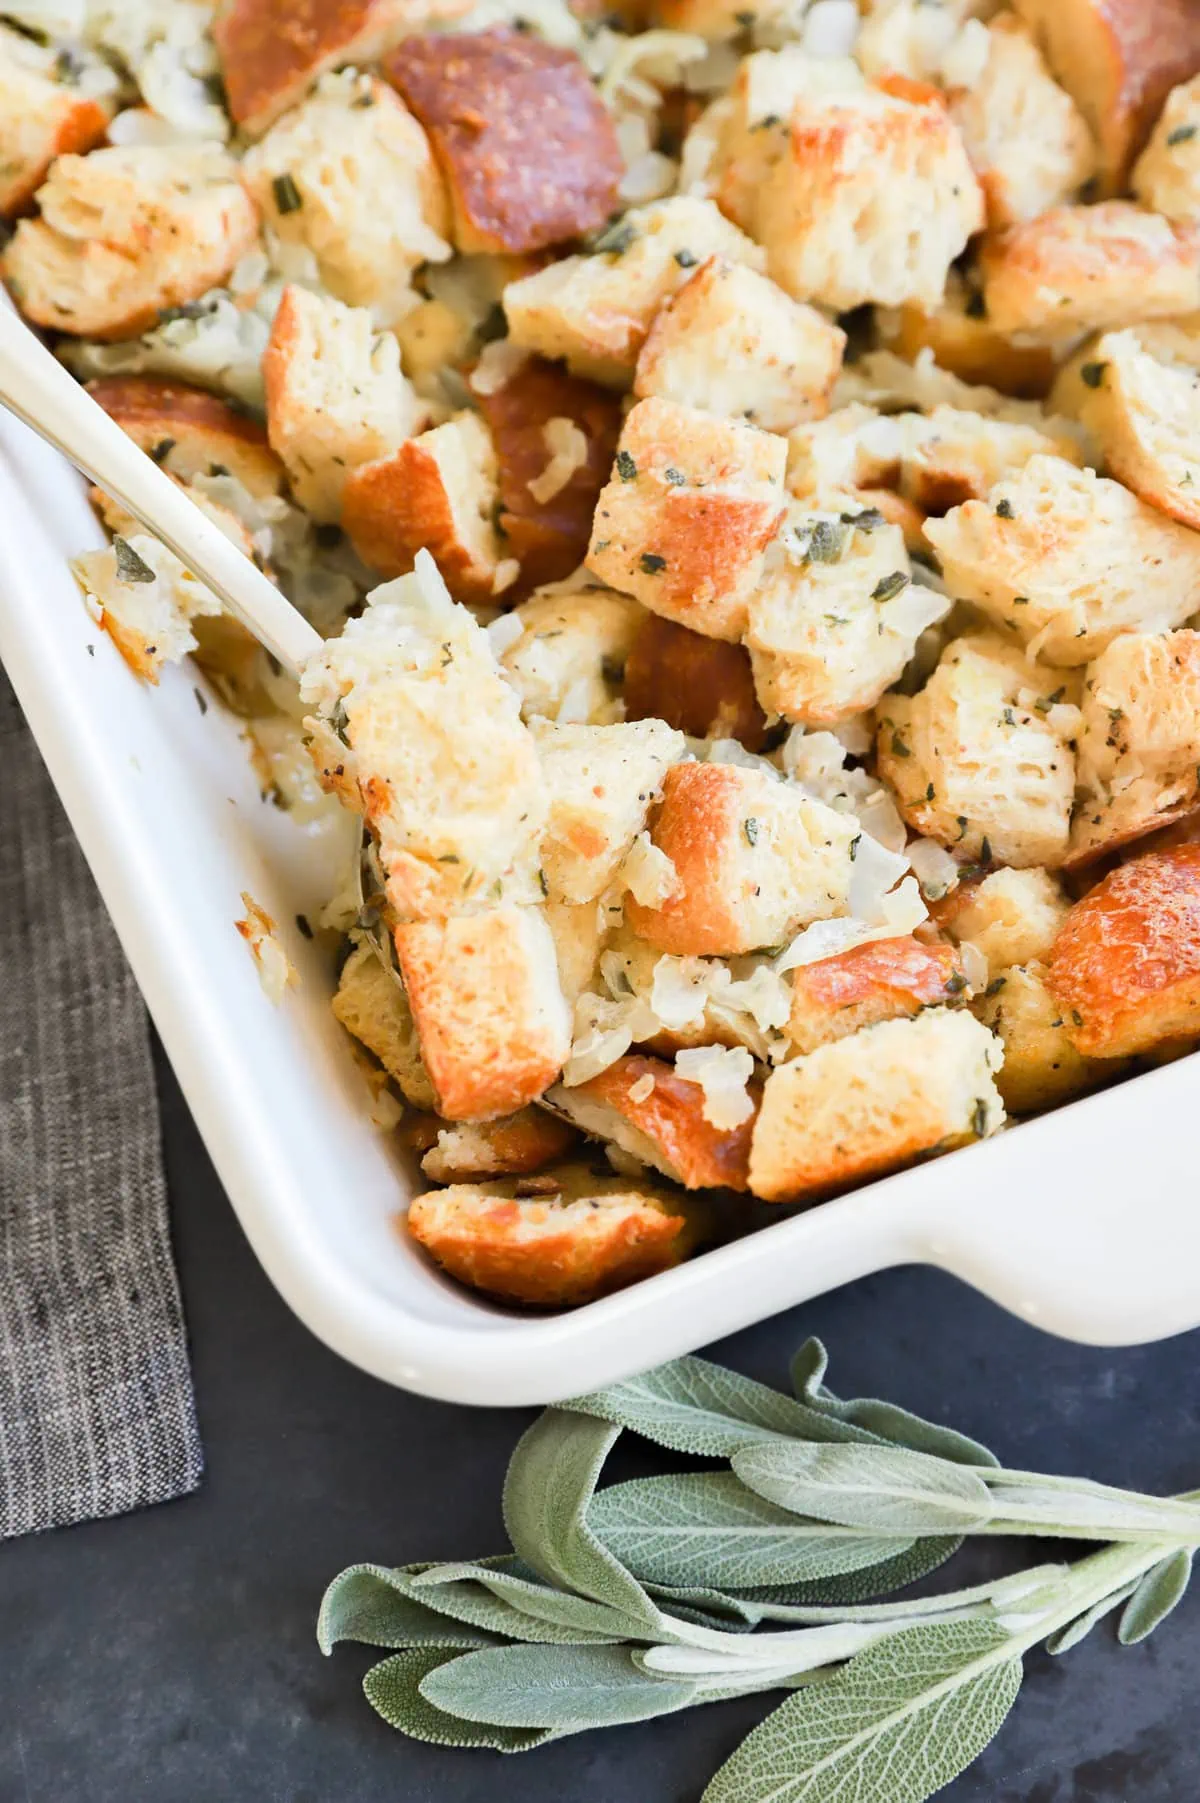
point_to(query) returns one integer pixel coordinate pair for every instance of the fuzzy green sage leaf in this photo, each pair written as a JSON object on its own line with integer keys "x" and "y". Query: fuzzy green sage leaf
{"x": 902, "y": 1720}
{"x": 881, "y": 1490}
{"x": 708, "y": 1528}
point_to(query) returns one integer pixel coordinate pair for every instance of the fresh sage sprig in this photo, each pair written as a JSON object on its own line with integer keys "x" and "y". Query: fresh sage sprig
{"x": 642, "y": 1599}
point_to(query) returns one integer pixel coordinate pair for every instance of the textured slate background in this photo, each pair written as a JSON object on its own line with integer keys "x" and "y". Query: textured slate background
{"x": 169, "y": 1657}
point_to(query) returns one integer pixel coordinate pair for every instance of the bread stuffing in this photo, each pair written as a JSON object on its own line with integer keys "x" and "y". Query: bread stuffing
{"x": 743, "y": 468}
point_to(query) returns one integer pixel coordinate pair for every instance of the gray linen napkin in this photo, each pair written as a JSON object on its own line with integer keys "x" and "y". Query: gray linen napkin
{"x": 96, "y": 1408}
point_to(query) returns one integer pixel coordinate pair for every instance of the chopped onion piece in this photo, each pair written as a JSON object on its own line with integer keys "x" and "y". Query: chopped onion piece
{"x": 722, "y": 1073}
{"x": 935, "y": 870}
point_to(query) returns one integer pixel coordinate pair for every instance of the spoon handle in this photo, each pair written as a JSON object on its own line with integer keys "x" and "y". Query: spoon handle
{"x": 36, "y": 387}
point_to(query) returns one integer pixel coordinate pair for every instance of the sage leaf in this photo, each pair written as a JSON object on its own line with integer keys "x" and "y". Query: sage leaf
{"x": 895, "y": 1573}
{"x": 549, "y": 1485}
{"x": 1063, "y": 1639}
{"x": 693, "y": 1406}
{"x": 375, "y": 1606}
{"x": 790, "y": 1602}
{"x": 881, "y": 1489}
{"x": 884, "y": 1420}
{"x": 523, "y": 1608}
{"x": 543, "y": 1687}
{"x": 1060, "y": 1505}
{"x": 393, "y": 1689}
{"x": 707, "y": 1528}
{"x": 1159, "y": 1591}
{"x": 903, "y": 1719}
{"x": 131, "y": 566}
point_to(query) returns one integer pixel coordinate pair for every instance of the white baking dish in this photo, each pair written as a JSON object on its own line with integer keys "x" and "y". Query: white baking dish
{"x": 1086, "y": 1221}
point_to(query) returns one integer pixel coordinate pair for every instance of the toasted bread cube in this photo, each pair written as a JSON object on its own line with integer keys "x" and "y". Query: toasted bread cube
{"x": 418, "y": 730}
{"x": 1066, "y": 559}
{"x": 512, "y": 1146}
{"x": 1083, "y": 269}
{"x": 579, "y": 931}
{"x": 436, "y": 492}
{"x": 1140, "y": 742}
{"x": 885, "y": 979}
{"x": 1041, "y": 1067}
{"x": 570, "y": 659}
{"x": 555, "y": 437}
{"x": 730, "y": 342}
{"x": 872, "y": 201}
{"x": 1118, "y": 59}
{"x": 189, "y": 432}
{"x": 371, "y": 1004}
{"x": 916, "y": 41}
{"x": 936, "y": 458}
{"x": 641, "y": 1105}
{"x": 954, "y": 456}
{"x": 1141, "y": 409}
{"x": 601, "y": 781}
{"x": 492, "y": 1021}
{"x": 856, "y": 447}
{"x": 884, "y": 381}
{"x": 336, "y": 396}
{"x": 317, "y": 178}
{"x": 272, "y": 51}
{"x": 43, "y": 116}
{"x": 145, "y": 600}
{"x": 976, "y": 763}
{"x": 873, "y": 1102}
{"x": 702, "y": 686}
{"x": 834, "y": 622}
{"x": 746, "y": 133}
{"x": 1167, "y": 176}
{"x": 596, "y": 311}
{"x": 1029, "y": 144}
{"x": 1008, "y": 916}
{"x": 127, "y": 233}
{"x": 964, "y": 341}
{"x": 555, "y": 1249}
{"x": 688, "y": 513}
{"x": 754, "y": 860}
{"x": 524, "y": 141}
{"x": 1125, "y": 970}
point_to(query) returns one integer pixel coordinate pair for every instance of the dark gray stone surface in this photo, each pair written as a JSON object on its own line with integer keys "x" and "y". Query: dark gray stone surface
{"x": 169, "y": 1657}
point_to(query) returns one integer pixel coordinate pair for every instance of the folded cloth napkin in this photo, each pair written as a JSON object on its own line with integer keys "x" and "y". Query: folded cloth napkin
{"x": 96, "y": 1408}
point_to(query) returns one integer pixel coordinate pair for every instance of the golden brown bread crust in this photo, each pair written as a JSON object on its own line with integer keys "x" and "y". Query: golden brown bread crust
{"x": 684, "y": 522}
{"x": 525, "y": 144}
{"x": 493, "y": 1025}
{"x": 1125, "y": 968}
{"x": 79, "y": 125}
{"x": 969, "y": 347}
{"x": 397, "y": 505}
{"x": 188, "y": 431}
{"x": 882, "y": 980}
{"x": 698, "y": 1155}
{"x": 874, "y": 1102}
{"x": 515, "y": 1145}
{"x": 548, "y": 538}
{"x": 272, "y": 51}
{"x": 551, "y": 1250}
{"x": 1076, "y": 269}
{"x": 1041, "y": 1067}
{"x": 701, "y": 686}
{"x": 1118, "y": 59}
{"x": 753, "y": 858}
